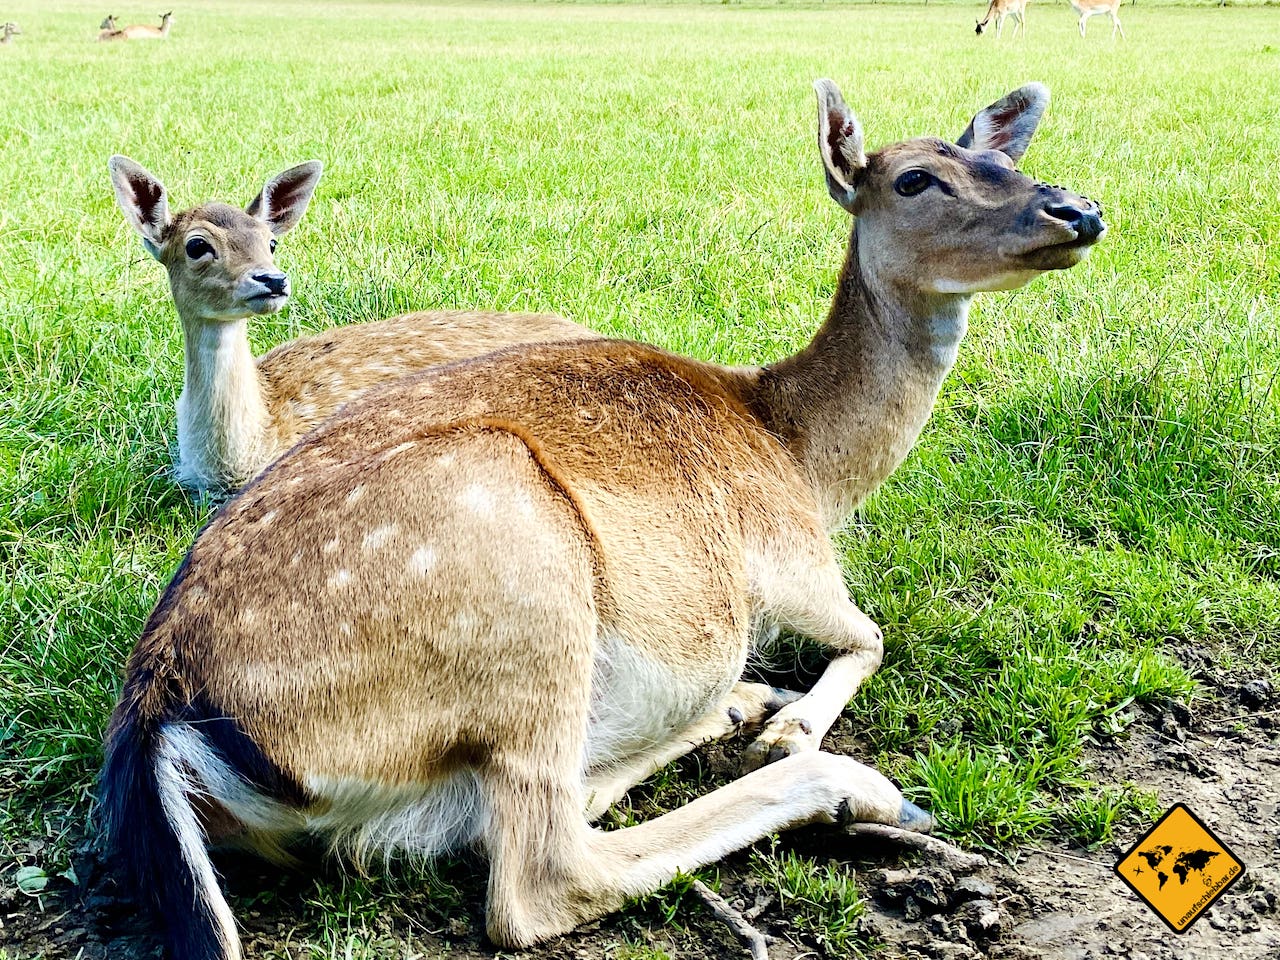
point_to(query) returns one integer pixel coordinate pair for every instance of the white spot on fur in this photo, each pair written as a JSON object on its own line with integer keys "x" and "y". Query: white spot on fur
{"x": 522, "y": 503}
{"x": 379, "y": 536}
{"x": 296, "y": 558}
{"x": 463, "y": 621}
{"x": 330, "y": 545}
{"x": 478, "y": 498}
{"x": 339, "y": 578}
{"x": 356, "y": 493}
{"x": 268, "y": 517}
{"x": 446, "y": 459}
{"x": 400, "y": 448}
{"x": 345, "y": 629}
{"x": 423, "y": 560}
{"x": 248, "y": 616}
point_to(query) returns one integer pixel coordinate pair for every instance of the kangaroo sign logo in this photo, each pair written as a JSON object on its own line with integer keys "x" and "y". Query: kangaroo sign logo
{"x": 1179, "y": 868}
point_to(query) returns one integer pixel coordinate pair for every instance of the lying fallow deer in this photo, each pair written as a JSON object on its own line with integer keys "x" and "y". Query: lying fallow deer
{"x": 11, "y": 30}
{"x": 477, "y": 607}
{"x": 1093, "y": 8}
{"x": 139, "y": 31}
{"x": 108, "y": 28}
{"x": 236, "y": 413}
{"x": 1001, "y": 9}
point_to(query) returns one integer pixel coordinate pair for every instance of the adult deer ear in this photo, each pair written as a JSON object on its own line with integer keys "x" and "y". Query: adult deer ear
{"x": 284, "y": 199}
{"x": 142, "y": 198}
{"x": 1009, "y": 123}
{"x": 840, "y": 143}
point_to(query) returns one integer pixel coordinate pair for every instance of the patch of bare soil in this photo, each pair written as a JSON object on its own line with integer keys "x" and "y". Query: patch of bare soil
{"x": 1051, "y": 901}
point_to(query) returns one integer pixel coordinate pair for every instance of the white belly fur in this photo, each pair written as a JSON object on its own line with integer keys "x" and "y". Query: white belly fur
{"x": 638, "y": 702}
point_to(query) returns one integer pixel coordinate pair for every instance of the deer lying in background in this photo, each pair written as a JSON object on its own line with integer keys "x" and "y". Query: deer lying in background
{"x": 11, "y": 30}
{"x": 478, "y": 606}
{"x": 139, "y": 31}
{"x": 236, "y": 413}
{"x": 107, "y": 28}
{"x": 1001, "y": 9}
{"x": 1093, "y": 8}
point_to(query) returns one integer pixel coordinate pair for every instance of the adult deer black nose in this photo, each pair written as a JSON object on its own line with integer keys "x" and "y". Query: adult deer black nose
{"x": 1086, "y": 221}
{"x": 276, "y": 283}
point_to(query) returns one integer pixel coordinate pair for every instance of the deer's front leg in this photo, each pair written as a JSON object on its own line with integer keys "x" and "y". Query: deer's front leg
{"x": 822, "y": 610}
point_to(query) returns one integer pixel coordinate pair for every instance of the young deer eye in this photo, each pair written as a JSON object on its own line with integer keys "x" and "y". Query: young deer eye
{"x": 198, "y": 247}
{"x": 272, "y": 246}
{"x": 912, "y": 182}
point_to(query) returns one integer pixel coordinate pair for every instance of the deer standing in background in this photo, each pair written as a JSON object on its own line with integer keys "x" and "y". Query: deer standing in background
{"x": 478, "y": 606}
{"x": 11, "y": 30}
{"x": 1093, "y": 8}
{"x": 1001, "y": 9}
{"x": 139, "y": 31}
{"x": 236, "y": 413}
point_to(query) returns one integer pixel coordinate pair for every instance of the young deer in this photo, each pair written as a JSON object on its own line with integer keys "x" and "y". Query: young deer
{"x": 107, "y": 28}
{"x": 236, "y": 413}
{"x": 139, "y": 31}
{"x": 11, "y": 30}
{"x": 1093, "y": 8}
{"x": 1001, "y": 9}
{"x": 478, "y": 607}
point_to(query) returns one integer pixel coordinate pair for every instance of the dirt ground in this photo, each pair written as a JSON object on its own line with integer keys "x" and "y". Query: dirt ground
{"x": 1051, "y": 901}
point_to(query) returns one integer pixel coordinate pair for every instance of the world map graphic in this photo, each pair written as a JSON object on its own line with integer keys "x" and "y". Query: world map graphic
{"x": 1184, "y": 864}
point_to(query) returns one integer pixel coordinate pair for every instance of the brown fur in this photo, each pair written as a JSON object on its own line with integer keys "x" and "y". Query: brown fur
{"x": 545, "y": 567}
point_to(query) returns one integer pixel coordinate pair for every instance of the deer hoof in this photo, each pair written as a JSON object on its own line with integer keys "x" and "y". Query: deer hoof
{"x": 912, "y": 818}
{"x": 782, "y": 737}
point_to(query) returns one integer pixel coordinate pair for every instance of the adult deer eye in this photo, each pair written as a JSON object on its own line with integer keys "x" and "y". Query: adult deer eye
{"x": 272, "y": 245}
{"x": 198, "y": 247}
{"x": 912, "y": 182}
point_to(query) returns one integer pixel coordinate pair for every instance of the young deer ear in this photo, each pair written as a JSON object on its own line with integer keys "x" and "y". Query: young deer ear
{"x": 142, "y": 198}
{"x": 1009, "y": 123}
{"x": 284, "y": 199}
{"x": 840, "y": 143}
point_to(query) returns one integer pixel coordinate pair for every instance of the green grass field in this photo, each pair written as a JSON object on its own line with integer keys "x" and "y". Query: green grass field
{"x": 1099, "y": 490}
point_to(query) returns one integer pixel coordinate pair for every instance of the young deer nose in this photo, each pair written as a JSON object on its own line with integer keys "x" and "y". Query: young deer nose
{"x": 1086, "y": 220}
{"x": 276, "y": 283}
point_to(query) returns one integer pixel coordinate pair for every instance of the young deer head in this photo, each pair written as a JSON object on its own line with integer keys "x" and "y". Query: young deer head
{"x": 237, "y": 413}
{"x": 108, "y": 23}
{"x": 479, "y": 605}
{"x": 11, "y": 30}
{"x": 220, "y": 259}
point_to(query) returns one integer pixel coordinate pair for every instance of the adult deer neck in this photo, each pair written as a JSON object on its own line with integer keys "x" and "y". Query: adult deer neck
{"x": 222, "y": 414}
{"x": 851, "y": 404}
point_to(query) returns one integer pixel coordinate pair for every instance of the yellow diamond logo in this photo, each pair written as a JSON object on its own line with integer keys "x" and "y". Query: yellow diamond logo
{"x": 1179, "y": 868}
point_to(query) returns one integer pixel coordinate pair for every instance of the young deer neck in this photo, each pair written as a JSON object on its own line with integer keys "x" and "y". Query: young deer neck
{"x": 222, "y": 413}
{"x": 851, "y": 404}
